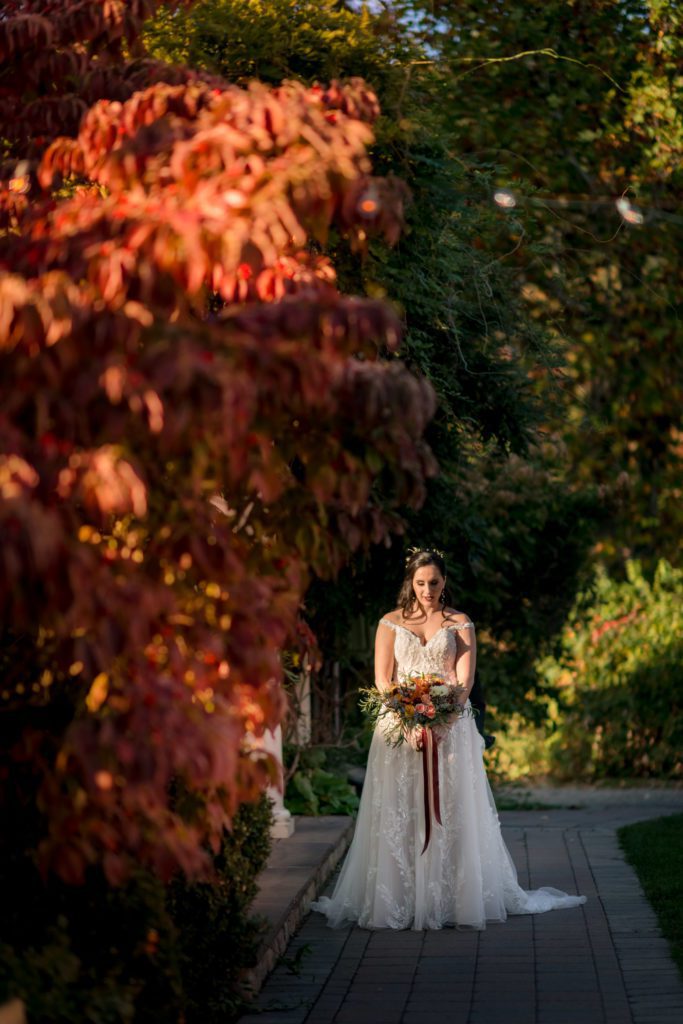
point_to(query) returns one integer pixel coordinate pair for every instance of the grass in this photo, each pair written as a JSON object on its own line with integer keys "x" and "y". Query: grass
{"x": 513, "y": 803}
{"x": 655, "y": 850}
{"x": 511, "y": 797}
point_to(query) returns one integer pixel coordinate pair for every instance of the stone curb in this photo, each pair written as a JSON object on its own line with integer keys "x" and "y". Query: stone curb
{"x": 297, "y": 871}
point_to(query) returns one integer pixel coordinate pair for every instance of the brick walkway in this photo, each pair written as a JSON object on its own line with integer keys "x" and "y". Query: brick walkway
{"x": 603, "y": 963}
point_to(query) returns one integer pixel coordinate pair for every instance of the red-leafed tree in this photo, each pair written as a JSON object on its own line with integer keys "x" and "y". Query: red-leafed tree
{"x": 169, "y": 332}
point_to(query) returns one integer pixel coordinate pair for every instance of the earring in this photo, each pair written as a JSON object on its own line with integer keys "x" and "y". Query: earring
{"x": 442, "y": 599}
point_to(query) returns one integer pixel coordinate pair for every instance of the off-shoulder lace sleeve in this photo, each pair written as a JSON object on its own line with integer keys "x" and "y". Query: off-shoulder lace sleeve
{"x": 391, "y": 625}
{"x": 460, "y": 625}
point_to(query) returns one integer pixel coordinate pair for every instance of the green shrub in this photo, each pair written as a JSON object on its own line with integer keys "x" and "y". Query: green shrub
{"x": 314, "y": 789}
{"x": 141, "y": 953}
{"x": 618, "y": 677}
{"x": 217, "y": 939}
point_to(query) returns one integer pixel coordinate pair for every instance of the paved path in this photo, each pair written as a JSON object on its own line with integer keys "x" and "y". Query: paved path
{"x": 603, "y": 963}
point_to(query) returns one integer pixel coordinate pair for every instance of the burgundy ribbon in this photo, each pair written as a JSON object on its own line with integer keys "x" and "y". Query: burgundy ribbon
{"x": 430, "y": 780}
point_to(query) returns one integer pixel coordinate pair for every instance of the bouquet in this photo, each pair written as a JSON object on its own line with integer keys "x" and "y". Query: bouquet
{"x": 421, "y": 701}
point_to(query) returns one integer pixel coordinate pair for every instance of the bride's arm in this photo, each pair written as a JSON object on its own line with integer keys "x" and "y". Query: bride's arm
{"x": 384, "y": 656}
{"x": 384, "y": 670}
{"x": 465, "y": 656}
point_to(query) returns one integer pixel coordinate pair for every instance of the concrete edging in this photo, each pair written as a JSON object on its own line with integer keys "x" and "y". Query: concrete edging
{"x": 297, "y": 871}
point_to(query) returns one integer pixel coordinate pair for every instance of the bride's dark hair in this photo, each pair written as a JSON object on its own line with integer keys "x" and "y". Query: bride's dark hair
{"x": 406, "y": 595}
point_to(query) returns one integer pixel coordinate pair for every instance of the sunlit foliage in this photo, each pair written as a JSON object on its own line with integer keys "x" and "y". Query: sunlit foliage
{"x": 193, "y": 420}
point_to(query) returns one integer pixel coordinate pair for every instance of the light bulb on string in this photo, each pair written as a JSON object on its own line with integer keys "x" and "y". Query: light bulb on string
{"x": 628, "y": 212}
{"x": 20, "y": 182}
{"x": 504, "y": 198}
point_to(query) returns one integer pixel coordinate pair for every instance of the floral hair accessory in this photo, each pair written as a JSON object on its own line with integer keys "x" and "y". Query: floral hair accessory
{"x": 423, "y": 551}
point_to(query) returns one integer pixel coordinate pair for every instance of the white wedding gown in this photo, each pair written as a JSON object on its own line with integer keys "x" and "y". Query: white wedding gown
{"x": 465, "y": 876}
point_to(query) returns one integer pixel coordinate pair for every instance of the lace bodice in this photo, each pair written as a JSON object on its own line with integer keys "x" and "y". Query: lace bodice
{"x": 437, "y": 655}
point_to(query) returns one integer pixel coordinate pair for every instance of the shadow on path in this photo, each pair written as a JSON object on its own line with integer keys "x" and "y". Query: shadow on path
{"x": 603, "y": 963}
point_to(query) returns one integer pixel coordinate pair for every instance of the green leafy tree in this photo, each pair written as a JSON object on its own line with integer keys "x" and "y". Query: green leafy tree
{"x": 577, "y": 105}
{"x": 468, "y": 329}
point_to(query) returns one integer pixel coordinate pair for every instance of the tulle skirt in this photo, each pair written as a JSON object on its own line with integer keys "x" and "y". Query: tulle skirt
{"x": 465, "y": 877}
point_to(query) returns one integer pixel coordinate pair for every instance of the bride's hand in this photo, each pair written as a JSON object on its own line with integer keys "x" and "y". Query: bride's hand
{"x": 442, "y": 730}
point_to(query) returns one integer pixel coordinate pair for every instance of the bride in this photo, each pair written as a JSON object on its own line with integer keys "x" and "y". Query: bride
{"x": 465, "y": 876}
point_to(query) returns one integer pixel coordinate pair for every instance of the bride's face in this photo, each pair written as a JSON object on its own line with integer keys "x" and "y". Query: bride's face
{"x": 428, "y": 583}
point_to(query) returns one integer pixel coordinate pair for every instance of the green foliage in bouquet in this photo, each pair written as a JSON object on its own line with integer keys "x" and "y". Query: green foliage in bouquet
{"x": 618, "y": 677}
{"x": 420, "y": 701}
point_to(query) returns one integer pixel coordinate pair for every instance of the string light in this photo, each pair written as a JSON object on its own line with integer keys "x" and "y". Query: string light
{"x": 20, "y": 182}
{"x": 505, "y": 199}
{"x": 628, "y": 212}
